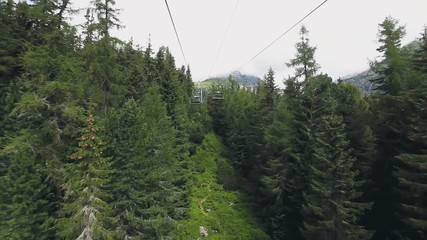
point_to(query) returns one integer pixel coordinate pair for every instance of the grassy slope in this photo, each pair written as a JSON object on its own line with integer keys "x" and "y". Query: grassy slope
{"x": 212, "y": 81}
{"x": 224, "y": 213}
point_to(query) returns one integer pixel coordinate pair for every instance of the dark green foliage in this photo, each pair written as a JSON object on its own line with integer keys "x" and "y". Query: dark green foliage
{"x": 268, "y": 96}
{"x": 412, "y": 186}
{"x": 393, "y": 67}
{"x": 392, "y": 113}
{"x": 124, "y": 133}
{"x": 85, "y": 212}
{"x": 27, "y": 202}
{"x": 283, "y": 192}
{"x": 420, "y": 58}
{"x": 328, "y": 210}
{"x": 411, "y": 169}
{"x": 355, "y": 111}
{"x": 146, "y": 200}
{"x": 10, "y": 45}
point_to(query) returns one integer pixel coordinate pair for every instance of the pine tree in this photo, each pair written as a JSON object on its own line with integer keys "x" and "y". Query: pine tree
{"x": 282, "y": 178}
{"x": 125, "y": 131}
{"x": 411, "y": 169}
{"x": 420, "y": 61}
{"x": 103, "y": 84}
{"x": 269, "y": 94}
{"x": 86, "y": 212}
{"x": 163, "y": 169}
{"x": 11, "y": 43}
{"x": 390, "y": 128}
{"x": 355, "y": 111}
{"x": 393, "y": 66}
{"x": 285, "y": 169}
{"x": 107, "y": 17}
{"x": 304, "y": 63}
{"x": 149, "y": 65}
{"x": 329, "y": 209}
{"x": 261, "y": 118}
{"x": 147, "y": 197}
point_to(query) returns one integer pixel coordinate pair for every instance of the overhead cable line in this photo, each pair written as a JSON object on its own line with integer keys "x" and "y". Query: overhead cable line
{"x": 223, "y": 38}
{"x": 176, "y": 32}
{"x": 283, "y": 34}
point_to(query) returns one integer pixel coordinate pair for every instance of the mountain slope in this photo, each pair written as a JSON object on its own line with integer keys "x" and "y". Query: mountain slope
{"x": 362, "y": 80}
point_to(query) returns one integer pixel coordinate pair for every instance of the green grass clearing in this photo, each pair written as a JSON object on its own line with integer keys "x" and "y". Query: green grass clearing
{"x": 224, "y": 213}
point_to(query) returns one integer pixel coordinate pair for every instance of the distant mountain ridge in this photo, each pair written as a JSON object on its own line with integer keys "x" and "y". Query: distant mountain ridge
{"x": 362, "y": 80}
{"x": 242, "y": 79}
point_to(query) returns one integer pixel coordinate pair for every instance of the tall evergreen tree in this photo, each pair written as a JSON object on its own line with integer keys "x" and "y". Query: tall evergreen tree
{"x": 147, "y": 197}
{"x": 86, "y": 213}
{"x": 107, "y": 17}
{"x": 283, "y": 192}
{"x": 175, "y": 96}
{"x": 269, "y": 94}
{"x": 411, "y": 170}
{"x": 124, "y": 133}
{"x": 393, "y": 66}
{"x": 329, "y": 209}
{"x": 286, "y": 167}
{"x": 304, "y": 63}
{"x": 163, "y": 170}
{"x": 391, "y": 130}
{"x": 420, "y": 61}
{"x": 355, "y": 110}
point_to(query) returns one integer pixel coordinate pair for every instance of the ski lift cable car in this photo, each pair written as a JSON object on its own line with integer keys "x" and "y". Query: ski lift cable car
{"x": 218, "y": 96}
{"x": 197, "y": 98}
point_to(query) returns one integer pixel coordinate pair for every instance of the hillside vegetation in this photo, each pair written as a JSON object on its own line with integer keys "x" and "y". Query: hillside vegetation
{"x": 244, "y": 80}
{"x": 225, "y": 213}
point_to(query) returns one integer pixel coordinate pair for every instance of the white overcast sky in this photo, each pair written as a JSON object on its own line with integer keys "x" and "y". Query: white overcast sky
{"x": 344, "y": 31}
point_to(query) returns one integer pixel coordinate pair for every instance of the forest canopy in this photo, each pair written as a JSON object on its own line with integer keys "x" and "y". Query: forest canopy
{"x": 103, "y": 139}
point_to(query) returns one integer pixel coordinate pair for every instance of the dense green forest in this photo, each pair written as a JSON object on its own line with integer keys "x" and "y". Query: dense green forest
{"x": 100, "y": 139}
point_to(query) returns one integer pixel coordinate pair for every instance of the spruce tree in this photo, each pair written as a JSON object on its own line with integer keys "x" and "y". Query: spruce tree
{"x": 282, "y": 175}
{"x": 107, "y": 17}
{"x": 390, "y": 128}
{"x": 287, "y": 152}
{"x": 165, "y": 199}
{"x": 420, "y": 60}
{"x": 86, "y": 213}
{"x": 304, "y": 63}
{"x": 410, "y": 168}
{"x": 329, "y": 210}
{"x": 146, "y": 195}
{"x": 268, "y": 95}
{"x": 355, "y": 110}
{"x": 103, "y": 84}
{"x": 393, "y": 66}
{"x": 124, "y": 134}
